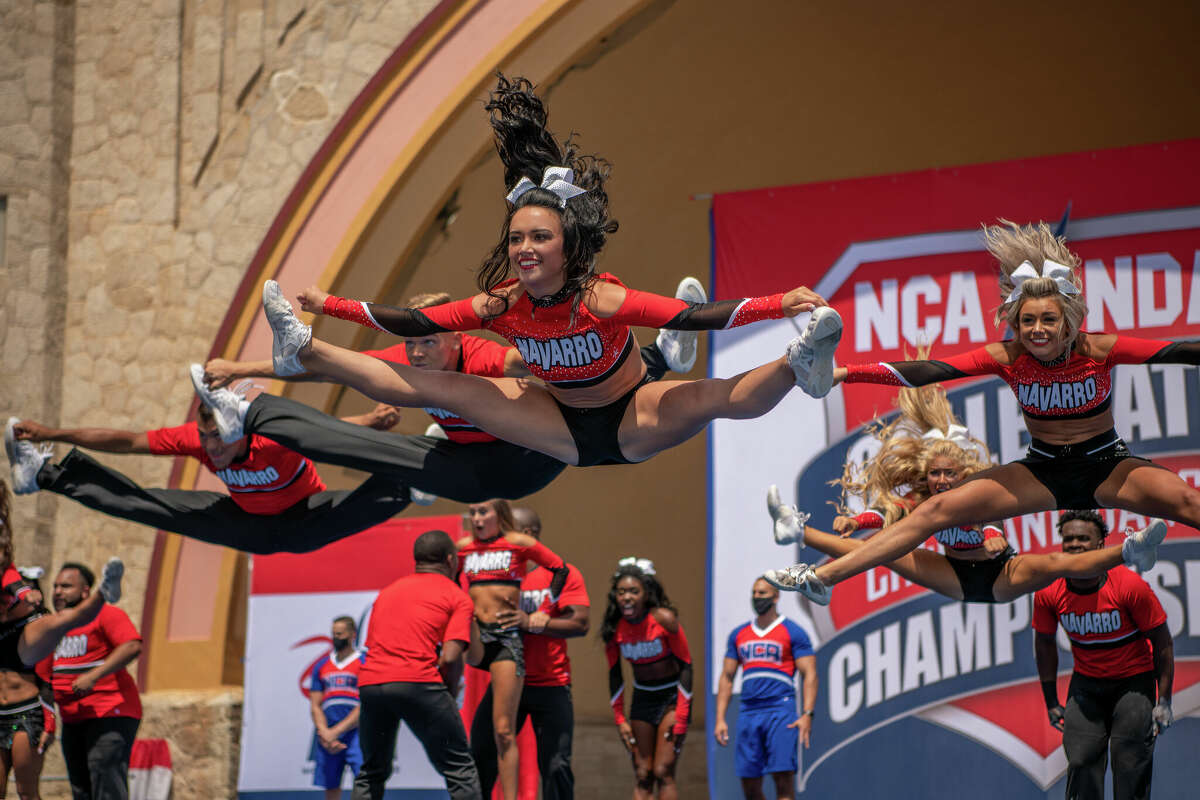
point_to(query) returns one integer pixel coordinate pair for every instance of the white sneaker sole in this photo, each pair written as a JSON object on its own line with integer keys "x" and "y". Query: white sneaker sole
{"x": 289, "y": 339}
{"x": 679, "y": 348}
{"x": 114, "y": 570}
{"x": 230, "y": 430}
{"x": 821, "y": 338}
{"x": 784, "y": 519}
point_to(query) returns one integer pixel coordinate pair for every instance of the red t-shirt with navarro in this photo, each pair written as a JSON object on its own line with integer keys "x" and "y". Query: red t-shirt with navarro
{"x": 83, "y": 649}
{"x": 410, "y": 621}
{"x": 479, "y": 357}
{"x": 1107, "y": 627}
{"x": 268, "y": 480}
{"x": 546, "y": 659}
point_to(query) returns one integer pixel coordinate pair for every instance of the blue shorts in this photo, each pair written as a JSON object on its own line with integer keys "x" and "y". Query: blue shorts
{"x": 764, "y": 742}
{"x": 327, "y": 772}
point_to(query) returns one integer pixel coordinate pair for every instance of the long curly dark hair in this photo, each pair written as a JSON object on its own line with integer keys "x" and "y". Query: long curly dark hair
{"x": 527, "y": 147}
{"x": 656, "y": 597}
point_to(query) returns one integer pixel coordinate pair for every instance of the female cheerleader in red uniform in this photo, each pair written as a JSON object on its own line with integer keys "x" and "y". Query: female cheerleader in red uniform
{"x": 492, "y": 560}
{"x": 641, "y": 625}
{"x": 1062, "y": 377}
{"x": 927, "y": 451}
{"x": 571, "y": 325}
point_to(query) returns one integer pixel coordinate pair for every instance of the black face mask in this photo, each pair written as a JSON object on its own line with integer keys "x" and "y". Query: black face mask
{"x": 340, "y": 644}
{"x": 762, "y": 604}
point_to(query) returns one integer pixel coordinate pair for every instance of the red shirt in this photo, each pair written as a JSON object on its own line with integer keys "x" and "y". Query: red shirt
{"x": 410, "y": 621}
{"x": 83, "y": 649}
{"x": 268, "y": 480}
{"x": 1107, "y": 627}
{"x": 546, "y": 660}
{"x": 479, "y": 357}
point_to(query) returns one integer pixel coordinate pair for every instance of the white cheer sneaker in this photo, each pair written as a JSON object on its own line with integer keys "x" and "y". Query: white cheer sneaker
{"x": 227, "y": 405}
{"x": 25, "y": 458}
{"x": 679, "y": 348}
{"x": 1140, "y": 548}
{"x": 291, "y": 335}
{"x": 810, "y": 354}
{"x": 789, "y": 522}
{"x": 110, "y": 580}
{"x": 800, "y": 578}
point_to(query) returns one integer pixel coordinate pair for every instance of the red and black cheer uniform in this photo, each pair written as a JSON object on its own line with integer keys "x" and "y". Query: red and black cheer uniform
{"x": 1078, "y": 388}
{"x": 277, "y": 503}
{"x": 568, "y": 347}
{"x": 546, "y": 695}
{"x": 975, "y": 575}
{"x": 36, "y": 714}
{"x": 499, "y": 560}
{"x": 14, "y": 587}
{"x": 647, "y": 642}
{"x": 1113, "y": 687}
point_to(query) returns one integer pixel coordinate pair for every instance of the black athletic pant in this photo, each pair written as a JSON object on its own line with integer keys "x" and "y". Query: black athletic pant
{"x": 465, "y": 473}
{"x": 212, "y": 517}
{"x": 432, "y": 715}
{"x": 1107, "y": 714}
{"x": 550, "y": 711}
{"x": 97, "y": 756}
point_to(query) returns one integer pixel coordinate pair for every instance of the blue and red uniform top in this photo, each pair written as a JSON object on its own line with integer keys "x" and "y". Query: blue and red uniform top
{"x": 338, "y": 683}
{"x": 479, "y": 357}
{"x": 768, "y": 660}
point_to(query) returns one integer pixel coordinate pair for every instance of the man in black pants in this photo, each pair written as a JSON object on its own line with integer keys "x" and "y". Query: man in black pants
{"x": 470, "y": 467}
{"x": 546, "y": 697}
{"x": 277, "y": 502}
{"x": 405, "y": 677}
{"x": 1123, "y": 652}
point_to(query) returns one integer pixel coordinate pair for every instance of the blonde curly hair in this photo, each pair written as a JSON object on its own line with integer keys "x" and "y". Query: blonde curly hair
{"x": 904, "y": 456}
{"x": 1012, "y": 245}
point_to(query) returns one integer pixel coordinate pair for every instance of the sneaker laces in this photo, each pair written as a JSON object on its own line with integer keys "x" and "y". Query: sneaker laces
{"x": 242, "y": 387}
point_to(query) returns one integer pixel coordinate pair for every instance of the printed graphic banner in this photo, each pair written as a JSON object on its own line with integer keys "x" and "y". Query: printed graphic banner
{"x": 293, "y": 600}
{"x": 938, "y": 696}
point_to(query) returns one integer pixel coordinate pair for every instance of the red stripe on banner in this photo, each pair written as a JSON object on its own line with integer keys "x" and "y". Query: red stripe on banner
{"x": 368, "y": 560}
{"x": 769, "y": 240}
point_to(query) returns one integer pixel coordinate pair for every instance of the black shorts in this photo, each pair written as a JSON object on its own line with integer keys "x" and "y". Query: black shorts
{"x": 651, "y": 704}
{"x": 595, "y": 429}
{"x": 977, "y": 577}
{"x": 1073, "y": 472}
{"x": 25, "y": 715}
{"x": 501, "y": 644}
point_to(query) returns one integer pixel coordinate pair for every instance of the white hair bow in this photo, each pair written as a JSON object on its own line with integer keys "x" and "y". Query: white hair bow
{"x": 643, "y": 564}
{"x": 554, "y": 179}
{"x": 1050, "y": 269}
{"x": 955, "y": 433}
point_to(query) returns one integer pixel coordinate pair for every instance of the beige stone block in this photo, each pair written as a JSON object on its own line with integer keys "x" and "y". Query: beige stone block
{"x": 14, "y": 105}
{"x": 20, "y": 140}
{"x": 127, "y": 209}
{"x": 38, "y": 79}
{"x": 283, "y": 83}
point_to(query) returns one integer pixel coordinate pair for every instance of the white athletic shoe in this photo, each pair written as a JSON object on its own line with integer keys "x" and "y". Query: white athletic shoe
{"x": 800, "y": 578}
{"x": 789, "y": 522}
{"x": 811, "y": 353}
{"x": 110, "y": 580}
{"x": 25, "y": 457}
{"x": 1140, "y": 549}
{"x": 291, "y": 335}
{"x": 228, "y": 405}
{"x": 679, "y": 347}
{"x": 426, "y": 498}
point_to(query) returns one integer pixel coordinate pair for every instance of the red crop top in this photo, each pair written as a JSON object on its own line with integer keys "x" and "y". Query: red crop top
{"x": 501, "y": 560}
{"x": 646, "y": 642}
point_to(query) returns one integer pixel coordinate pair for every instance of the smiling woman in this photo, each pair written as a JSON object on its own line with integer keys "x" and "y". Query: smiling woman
{"x": 1062, "y": 377}
{"x": 598, "y": 405}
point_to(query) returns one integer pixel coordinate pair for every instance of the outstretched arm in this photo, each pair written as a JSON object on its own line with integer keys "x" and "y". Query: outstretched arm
{"x": 461, "y": 315}
{"x": 219, "y": 373}
{"x": 981, "y": 361}
{"x": 104, "y": 439}
{"x": 633, "y": 307}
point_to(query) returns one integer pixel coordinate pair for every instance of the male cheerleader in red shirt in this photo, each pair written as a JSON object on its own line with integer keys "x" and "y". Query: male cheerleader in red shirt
{"x": 419, "y": 629}
{"x": 1123, "y": 652}
{"x": 277, "y": 503}
{"x": 546, "y": 696}
{"x": 98, "y": 700}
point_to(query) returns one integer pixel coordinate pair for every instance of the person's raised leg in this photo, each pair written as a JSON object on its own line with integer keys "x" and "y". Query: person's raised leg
{"x": 1150, "y": 489}
{"x": 1029, "y": 572}
{"x": 922, "y": 567}
{"x": 40, "y": 636}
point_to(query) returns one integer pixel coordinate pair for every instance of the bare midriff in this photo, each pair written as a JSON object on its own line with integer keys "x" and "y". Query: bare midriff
{"x": 612, "y": 388}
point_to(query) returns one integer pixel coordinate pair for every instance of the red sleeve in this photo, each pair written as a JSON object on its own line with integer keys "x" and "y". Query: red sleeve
{"x": 1143, "y": 605}
{"x": 455, "y": 316}
{"x": 483, "y": 357}
{"x": 616, "y": 682}
{"x": 396, "y": 354}
{"x": 1045, "y": 618}
{"x": 656, "y": 311}
{"x": 992, "y": 531}
{"x": 49, "y": 722}
{"x": 182, "y": 440}
{"x": 679, "y": 644}
{"x": 574, "y": 593}
{"x": 1131, "y": 350}
{"x": 459, "y": 626}
{"x": 44, "y": 668}
{"x": 117, "y": 626}
{"x": 869, "y": 519}
{"x": 543, "y": 556}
